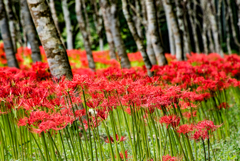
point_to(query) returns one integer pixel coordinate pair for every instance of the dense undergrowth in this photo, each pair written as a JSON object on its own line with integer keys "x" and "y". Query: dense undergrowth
{"x": 188, "y": 111}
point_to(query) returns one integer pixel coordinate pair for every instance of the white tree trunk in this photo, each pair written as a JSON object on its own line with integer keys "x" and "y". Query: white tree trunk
{"x": 55, "y": 19}
{"x": 170, "y": 35}
{"x": 85, "y": 34}
{"x": 47, "y": 31}
{"x": 137, "y": 20}
{"x": 154, "y": 32}
{"x": 136, "y": 36}
{"x": 214, "y": 28}
{"x": 233, "y": 29}
{"x": 183, "y": 29}
{"x": 29, "y": 29}
{"x": 193, "y": 22}
{"x": 210, "y": 39}
{"x": 106, "y": 20}
{"x": 204, "y": 32}
{"x": 118, "y": 41}
{"x": 150, "y": 50}
{"x": 68, "y": 24}
{"x": 175, "y": 29}
{"x": 238, "y": 5}
{"x": 98, "y": 22}
{"x": 6, "y": 36}
{"x": 12, "y": 22}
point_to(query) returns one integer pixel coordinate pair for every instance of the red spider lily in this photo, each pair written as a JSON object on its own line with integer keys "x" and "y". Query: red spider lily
{"x": 202, "y": 129}
{"x": 123, "y": 138}
{"x": 128, "y": 110}
{"x": 80, "y": 113}
{"x": 22, "y": 121}
{"x": 93, "y": 122}
{"x": 185, "y": 129}
{"x": 223, "y": 105}
{"x": 190, "y": 114}
{"x": 169, "y": 158}
{"x": 172, "y": 120}
{"x": 206, "y": 124}
{"x": 122, "y": 156}
{"x": 200, "y": 134}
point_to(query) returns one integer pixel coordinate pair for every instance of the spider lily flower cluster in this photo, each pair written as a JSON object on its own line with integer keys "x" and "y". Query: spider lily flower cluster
{"x": 116, "y": 114}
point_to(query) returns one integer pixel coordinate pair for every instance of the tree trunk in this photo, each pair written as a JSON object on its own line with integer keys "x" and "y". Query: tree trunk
{"x": 193, "y": 22}
{"x": 55, "y": 19}
{"x": 68, "y": 24}
{"x": 226, "y": 20}
{"x": 154, "y": 33}
{"x": 238, "y": 5}
{"x": 182, "y": 26}
{"x": 88, "y": 27}
{"x": 210, "y": 39}
{"x": 98, "y": 22}
{"x": 118, "y": 41}
{"x": 204, "y": 38}
{"x": 50, "y": 39}
{"x": 150, "y": 50}
{"x": 106, "y": 20}
{"x": 101, "y": 44}
{"x": 6, "y": 36}
{"x": 214, "y": 28}
{"x": 136, "y": 36}
{"x": 137, "y": 20}
{"x": 233, "y": 29}
{"x": 30, "y": 31}
{"x": 54, "y": 14}
{"x": 83, "y": 28}
{"x": 175, "y": 29}
{"x": 12, "y": 22}
{"x": 170, "y": 35}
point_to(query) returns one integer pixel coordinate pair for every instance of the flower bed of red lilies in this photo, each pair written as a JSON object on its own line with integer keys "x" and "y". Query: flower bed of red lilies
{"x": 116, "y": 114}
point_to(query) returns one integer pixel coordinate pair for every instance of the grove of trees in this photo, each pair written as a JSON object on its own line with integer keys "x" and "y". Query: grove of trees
{"x": 153, "y": 27}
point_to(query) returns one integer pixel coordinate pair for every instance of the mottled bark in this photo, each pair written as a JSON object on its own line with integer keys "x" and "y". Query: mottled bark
{"x": 54, "y": 14}
{"x": 154, "y": 32}
{"x": 6, "y": 36}
{"x": 136, "y": 36}
{"x": 238, "y": 5}
{"x": 193, "y": 22}
{"x": 233, "y": 29}
{"x": 98, "y": 22}
{"x": 150, "y": 50}
{"x": 204, "y": 38}
{"x": 218, "y": 19}
{"x": 182, "y": 26}
{"x": 86, "y": 18}
{"x": 106, "y": 20}
{"x": 210, "y": 39}
{"x": 227, "y": 16}
{"x": 170, "y": 36}
{"x": 228, "y": 40}
{"x": 85, "y": 34}
{"x": 55, "y": 19}
{"x": 137, "y": 20}
{"x": 30, "y": 31}
{"x": 144, "y": 13}
{"x": 175, "y": 29}
{"x": 12, "y": 22}
{"x": 214, "y": 28}
{"x": 68, "y": 24}
{"x": 118, "y": 41}
{"x": 50, "y": 39}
